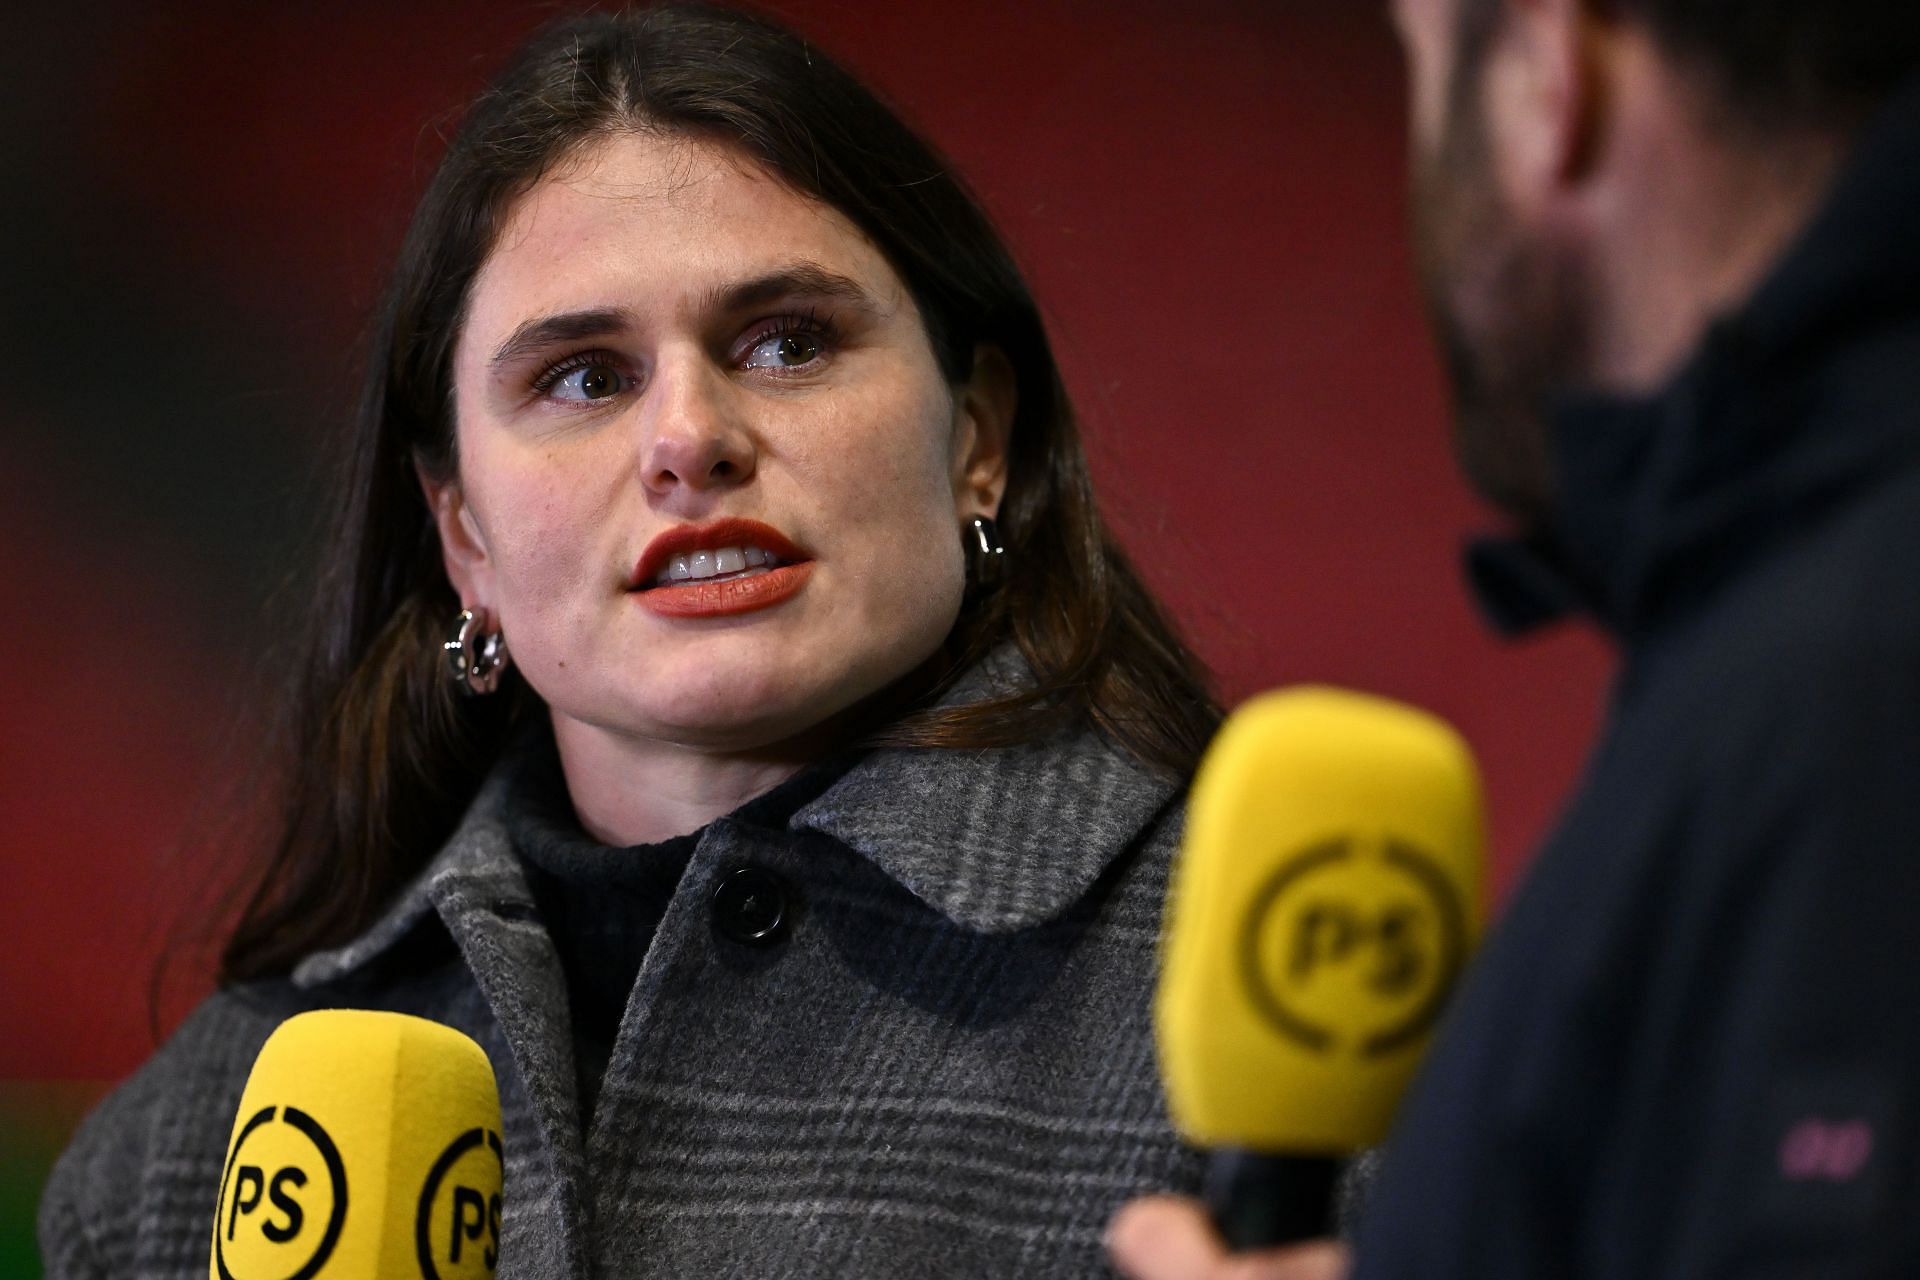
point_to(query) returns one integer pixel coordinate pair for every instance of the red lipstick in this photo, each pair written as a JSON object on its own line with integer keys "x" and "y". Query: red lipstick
{"x": 714, "y": 598}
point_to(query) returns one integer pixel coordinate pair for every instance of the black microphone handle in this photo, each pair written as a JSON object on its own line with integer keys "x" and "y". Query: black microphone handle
{"x": 1259, "y": 1200}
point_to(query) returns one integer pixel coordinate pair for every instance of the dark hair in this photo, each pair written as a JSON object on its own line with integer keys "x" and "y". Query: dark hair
{"x": 383, "y": 756}
{"x": 1774, "y": 63}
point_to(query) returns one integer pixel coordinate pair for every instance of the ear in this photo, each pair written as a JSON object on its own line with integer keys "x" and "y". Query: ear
{"x": 1549, "y": 82}
{"x": 984, "y": 406}
{"x": 463, "y": 547}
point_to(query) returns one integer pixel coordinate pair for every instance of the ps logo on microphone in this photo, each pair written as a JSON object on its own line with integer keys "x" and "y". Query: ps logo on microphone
{"x": 457, "y": 1226}
{"x": 283, "y": 1199}
{"x": 1354, "y": 926}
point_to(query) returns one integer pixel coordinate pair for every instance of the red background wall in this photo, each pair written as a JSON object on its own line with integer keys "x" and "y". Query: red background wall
{"x": 1210, "y": 209}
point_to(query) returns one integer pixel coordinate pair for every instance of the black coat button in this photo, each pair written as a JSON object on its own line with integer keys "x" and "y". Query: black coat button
{"x": 752, "y": 906}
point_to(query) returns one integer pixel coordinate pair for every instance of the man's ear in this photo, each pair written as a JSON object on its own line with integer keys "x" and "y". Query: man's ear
{"x": 463, "y": 548}
{"x": 1549, "y": 86}
{"x": 985, "y": 404}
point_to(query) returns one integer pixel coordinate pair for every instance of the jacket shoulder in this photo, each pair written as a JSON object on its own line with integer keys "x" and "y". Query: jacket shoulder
{"x": 133, "y": 1193}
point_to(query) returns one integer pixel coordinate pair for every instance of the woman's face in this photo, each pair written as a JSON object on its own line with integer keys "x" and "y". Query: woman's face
{"x": 711, "y": 478}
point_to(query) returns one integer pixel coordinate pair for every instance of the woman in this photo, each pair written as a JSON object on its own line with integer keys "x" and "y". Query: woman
{"x": 797, "y": 851}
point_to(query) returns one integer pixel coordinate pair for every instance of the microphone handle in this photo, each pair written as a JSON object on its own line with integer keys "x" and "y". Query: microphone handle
{"x": 1259, "y": 1200}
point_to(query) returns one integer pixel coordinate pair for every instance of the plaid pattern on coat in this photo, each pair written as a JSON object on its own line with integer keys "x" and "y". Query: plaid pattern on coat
{"x": 944, "y": 1069}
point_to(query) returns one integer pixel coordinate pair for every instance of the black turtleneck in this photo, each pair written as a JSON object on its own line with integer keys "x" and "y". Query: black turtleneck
{"x": 602, "y": 905}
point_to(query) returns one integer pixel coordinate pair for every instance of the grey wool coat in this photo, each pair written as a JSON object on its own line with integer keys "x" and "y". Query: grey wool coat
{"x": 944, "y": 1067}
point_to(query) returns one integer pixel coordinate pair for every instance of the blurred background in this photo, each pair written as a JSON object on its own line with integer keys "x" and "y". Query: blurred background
{"x": 201, "y": 205}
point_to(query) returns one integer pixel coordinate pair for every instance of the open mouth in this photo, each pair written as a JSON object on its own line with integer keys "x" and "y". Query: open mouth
{"x": 718, "y": 564}
{"x": 724, "y": 567}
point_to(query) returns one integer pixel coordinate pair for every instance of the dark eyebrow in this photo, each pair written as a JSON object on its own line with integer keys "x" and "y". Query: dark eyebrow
{"x": 802, "y": 279}
{"x": 568, "y": 326}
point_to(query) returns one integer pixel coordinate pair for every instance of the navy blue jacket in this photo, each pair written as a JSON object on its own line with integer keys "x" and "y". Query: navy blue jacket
{"x": 1692, "y": 1047}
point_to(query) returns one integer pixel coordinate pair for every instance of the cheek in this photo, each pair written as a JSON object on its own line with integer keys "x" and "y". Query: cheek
{"x": 896, "y": 484}
{"x": 887, "y": 490}
{"x": 541, "y": 524}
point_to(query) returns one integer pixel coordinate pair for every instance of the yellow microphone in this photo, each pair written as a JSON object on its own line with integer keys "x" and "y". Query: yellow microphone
{"x": 1324, "y": 903}
{"x": 366, "y": 1145}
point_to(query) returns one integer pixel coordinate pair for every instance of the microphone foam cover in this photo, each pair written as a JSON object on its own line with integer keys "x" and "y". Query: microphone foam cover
{"x": 366, "y": 1144}
{"x": 1325, "y": 900}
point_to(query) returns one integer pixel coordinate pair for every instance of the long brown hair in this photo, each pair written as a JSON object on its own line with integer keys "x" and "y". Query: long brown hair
{"x": 383, "y": 755}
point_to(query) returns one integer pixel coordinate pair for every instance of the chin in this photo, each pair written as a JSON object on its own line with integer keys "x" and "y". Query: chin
{"x": 731, "y": 726}
{"x": 732, "y": 710}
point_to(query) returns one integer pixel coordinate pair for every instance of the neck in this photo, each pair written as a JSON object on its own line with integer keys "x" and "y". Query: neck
{"x": 629, "y": 790}
{"x": 1695, "y": 218}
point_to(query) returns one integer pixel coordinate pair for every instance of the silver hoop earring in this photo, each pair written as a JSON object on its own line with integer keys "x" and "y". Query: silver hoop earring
{"x": 475, "y": 658}
{"x": 986, "y": 554}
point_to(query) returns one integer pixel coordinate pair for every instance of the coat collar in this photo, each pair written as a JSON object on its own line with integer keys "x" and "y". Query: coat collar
{"x": 996, "y": 840}
{"x": 1796, "y": 399}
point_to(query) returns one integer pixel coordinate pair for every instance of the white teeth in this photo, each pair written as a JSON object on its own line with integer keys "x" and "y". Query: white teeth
{"x": 714, "y": 563}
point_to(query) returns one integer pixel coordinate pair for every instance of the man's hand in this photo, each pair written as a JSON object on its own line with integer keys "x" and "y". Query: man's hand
{"x": 1170, "y": 1238}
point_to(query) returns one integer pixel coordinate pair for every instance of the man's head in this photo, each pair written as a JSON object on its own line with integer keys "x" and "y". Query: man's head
{"x": 1594, "y": 179}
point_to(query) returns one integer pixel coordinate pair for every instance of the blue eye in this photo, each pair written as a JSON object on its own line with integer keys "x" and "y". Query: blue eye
{"x": 785, "y": 350}
{"x": 590, "y": 381}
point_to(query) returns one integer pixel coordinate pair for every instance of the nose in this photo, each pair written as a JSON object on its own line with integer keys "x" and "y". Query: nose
{"x": 694, "y": 440}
